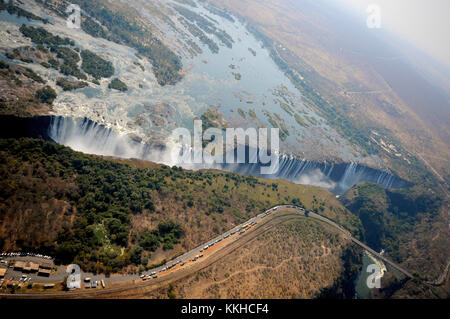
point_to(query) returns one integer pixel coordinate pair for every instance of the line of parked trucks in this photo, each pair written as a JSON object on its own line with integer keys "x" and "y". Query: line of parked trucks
{"x": 241, "y": 230}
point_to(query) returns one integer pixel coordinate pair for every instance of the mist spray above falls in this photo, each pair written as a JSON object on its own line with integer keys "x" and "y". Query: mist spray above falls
{"x": 89, "y": 137}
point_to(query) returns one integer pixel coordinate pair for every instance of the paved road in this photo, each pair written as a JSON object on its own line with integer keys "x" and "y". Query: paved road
{"x": 373, "y": 252}
{"x": 186, "y": 258}
{"x": 183, "y": 264}
{"x": 302, "y": 212}
{"x": 440, "y": 280}
{"x": 139, "y": 288}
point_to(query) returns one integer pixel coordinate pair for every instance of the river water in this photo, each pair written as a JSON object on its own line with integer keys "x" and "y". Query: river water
{"x": 361, "y": 287}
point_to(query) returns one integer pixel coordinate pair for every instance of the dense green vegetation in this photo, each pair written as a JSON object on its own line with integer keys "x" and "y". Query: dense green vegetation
{"x": 91, "y": 63}
{"x": 15, "y": 54}
{"x": 93, "y": 28}
{"x": 167, "y": 233}
{"x": 105, "y": 195}
{"x": 46, "y": 95}
{"x": 116, "y": 84}
{"x": 54, "y": 63}
{"x": 29, "y": 73}
{"x": 206, "y": 25}
{"x": 210, "y": 118}
{"x": 60, "y": 47}
{"x": 287, "y": 108}
{"x": 70, "y": 64}
{"x": 237, "y": 76}
{"x": 41, "y": 36}
{"x": 300, "y": 120}
{"x": 96, "y": 66}
{"x": 277, "y": 122}
{"x": 121, "y": 29}
{"x": 388, "y": 214}
{"x": 46, "y": 65}
{"x": 196, "y": 32}
{"x": 4, "y": 65}
{"x": 12, "y": 9}
{"x": 57, "y": 7}
{"x": 69, "y": 85}
{"x": 80, "y": 208}
{"x": 344, "y": 286}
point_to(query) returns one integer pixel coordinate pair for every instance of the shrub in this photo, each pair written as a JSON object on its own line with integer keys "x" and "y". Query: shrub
{"x": 96, "y": 66}
{"x": 46, "y": 95}
{"x": 116, "y": 84}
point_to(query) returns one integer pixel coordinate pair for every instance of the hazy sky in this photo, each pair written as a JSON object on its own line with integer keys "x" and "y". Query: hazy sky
{"x": 424, "y": 23}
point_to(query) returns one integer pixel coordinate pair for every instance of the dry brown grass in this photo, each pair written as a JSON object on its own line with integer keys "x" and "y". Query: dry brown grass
{"x": 18, "y": 93}
{"x": 294, "y": 260}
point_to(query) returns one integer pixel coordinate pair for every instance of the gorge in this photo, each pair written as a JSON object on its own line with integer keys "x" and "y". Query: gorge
{"x": 84, "y": 135}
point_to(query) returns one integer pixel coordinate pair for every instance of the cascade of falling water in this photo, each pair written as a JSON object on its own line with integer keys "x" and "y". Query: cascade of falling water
{"x": 89, "y": 137}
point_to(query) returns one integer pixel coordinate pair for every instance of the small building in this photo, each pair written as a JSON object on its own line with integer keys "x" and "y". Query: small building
{"x": 27, "y": 268}
{"x": 19, "y": 265}
{"x": 44, "y": 265}
{"x": 44, "y": 272}
{"x": 34, "y": 267}
{"x": 2, "y": 272}
{"x": 49, "y": 286}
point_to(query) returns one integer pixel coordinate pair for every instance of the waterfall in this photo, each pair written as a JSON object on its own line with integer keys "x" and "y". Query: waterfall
{"x": 89, "y": 137}
{"x": 338, "y": 178}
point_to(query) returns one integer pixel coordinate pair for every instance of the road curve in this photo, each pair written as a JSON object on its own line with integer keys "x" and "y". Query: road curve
{"x": 359, "y": 243}
{"x": 162, "y": 281}
{"x": 261, "y": 224}
{"x": 441, "y": 279}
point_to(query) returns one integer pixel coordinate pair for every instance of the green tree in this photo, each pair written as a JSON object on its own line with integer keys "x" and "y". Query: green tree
{"x": 46, "y": 95}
